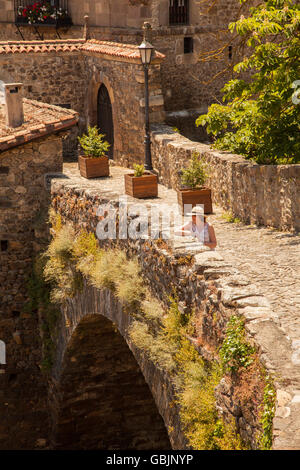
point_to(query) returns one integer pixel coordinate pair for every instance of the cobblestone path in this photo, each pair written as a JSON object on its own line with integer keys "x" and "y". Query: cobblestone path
{"x": 268, "y": 258}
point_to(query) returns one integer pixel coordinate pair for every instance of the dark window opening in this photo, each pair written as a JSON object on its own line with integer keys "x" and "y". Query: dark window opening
{"x": 230, "y": 52}
{"x": 178, "y": 12}
{"x": 16, "y": 313}
{"x": 188, "y": 45}
{"x": 4, "y": 170}
{"x": 4, "y": 245}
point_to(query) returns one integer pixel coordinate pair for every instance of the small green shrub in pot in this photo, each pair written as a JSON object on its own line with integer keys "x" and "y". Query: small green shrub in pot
{"x": 139, "y": 170}
{"x": 93, "y": 143}
{"x": 94, "y": 163}
{"x": 141, "y": 183}
{"x": 193, "y": 190}
{"x": 196, "y": 174}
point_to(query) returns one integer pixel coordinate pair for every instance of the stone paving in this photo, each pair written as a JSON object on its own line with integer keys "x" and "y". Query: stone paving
{"x": 263, "y": 279}
{"x": 269, "y": 259}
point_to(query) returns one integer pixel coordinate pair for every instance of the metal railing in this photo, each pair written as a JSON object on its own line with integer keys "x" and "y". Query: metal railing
{"x": 179, "y": 12}
{"x": 43, "y": 12}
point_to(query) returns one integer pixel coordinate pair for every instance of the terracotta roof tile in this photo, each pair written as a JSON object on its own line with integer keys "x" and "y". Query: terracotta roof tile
{"x": 114, "y": 49}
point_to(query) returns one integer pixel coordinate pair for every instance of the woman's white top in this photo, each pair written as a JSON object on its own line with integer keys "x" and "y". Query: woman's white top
{"x": 201, "y": 234}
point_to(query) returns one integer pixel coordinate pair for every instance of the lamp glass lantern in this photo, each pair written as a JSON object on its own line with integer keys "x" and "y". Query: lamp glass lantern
{"x": 146, "y": 52}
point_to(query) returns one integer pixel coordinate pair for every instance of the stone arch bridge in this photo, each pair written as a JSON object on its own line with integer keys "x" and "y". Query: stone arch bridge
{"x": 106, "y": 393}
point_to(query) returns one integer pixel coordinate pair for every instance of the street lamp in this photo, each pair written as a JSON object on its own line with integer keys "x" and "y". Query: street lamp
{"x": 147, "y": 52}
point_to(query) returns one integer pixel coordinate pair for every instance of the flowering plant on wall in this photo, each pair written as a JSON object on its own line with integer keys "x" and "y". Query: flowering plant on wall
{"x": 42, "y": 12}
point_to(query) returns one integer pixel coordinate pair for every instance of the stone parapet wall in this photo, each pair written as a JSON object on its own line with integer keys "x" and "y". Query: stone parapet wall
{"x": 205, "y": 282}
{"x": 257, "y": 194}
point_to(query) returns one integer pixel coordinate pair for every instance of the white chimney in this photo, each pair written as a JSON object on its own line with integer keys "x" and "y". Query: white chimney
{"x": 13, "y": 104}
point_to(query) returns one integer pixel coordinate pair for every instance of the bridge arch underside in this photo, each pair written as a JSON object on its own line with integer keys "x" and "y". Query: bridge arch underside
{"x": 104, "y": 401}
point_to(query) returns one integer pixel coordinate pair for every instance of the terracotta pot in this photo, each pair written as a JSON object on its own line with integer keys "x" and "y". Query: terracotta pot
{"x": 141, "y": 186}
{"x": 93, "y": 167}
{"x": 194, "y": 197}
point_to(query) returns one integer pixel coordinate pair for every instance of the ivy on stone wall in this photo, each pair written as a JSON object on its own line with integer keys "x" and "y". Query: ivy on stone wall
{"x": 268, "y": 413}
{"x": 236, "y": 352}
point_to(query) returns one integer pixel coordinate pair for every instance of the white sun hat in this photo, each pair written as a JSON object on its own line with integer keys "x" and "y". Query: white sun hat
{"x": 197, "y": 210}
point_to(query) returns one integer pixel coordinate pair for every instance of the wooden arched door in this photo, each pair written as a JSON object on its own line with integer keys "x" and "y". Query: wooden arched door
{"x": 105, "y": 118}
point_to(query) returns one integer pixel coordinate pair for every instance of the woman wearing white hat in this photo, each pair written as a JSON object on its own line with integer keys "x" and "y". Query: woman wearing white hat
{"x": 199, "y": 228}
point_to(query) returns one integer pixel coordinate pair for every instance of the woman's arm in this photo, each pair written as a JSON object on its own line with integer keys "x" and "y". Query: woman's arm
{"x": 212, "y": 238}
{"x": 182, "y": 231}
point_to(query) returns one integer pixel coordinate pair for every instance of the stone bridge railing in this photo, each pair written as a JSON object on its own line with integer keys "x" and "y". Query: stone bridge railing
{"x": 216, "y": 291}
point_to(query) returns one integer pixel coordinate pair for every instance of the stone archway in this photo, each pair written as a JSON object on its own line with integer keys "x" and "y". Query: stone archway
{"x": 105, "y": 118}
{"x": 100, "y": 81}
{"x": 104, "y": 401}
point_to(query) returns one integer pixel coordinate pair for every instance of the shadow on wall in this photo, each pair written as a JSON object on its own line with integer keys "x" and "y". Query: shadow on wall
{"x": 184, "y": 123}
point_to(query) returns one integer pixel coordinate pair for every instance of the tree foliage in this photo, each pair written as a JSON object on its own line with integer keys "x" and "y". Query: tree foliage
{"x": 260, "y": 117}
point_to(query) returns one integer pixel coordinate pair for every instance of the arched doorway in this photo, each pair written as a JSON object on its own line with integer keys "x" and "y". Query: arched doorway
{"x": 105, "y": 117}
{"x": 103, "y": 401}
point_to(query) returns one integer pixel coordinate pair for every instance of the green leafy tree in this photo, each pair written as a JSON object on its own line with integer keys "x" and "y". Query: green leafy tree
{"x": 93, "y": 143}
{"x": 261, "y": 115}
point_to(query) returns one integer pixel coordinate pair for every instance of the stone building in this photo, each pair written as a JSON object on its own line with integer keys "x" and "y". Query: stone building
{"x": 182, "y": 30}
{"x": 102, "y": 81}
{"x": 28, "y": 153}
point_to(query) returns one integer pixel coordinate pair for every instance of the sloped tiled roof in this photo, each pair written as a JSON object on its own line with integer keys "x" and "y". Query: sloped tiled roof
{"x": 116, "y": 50}
{"x": 40, "y": 119}
{"x": 126, "y": 51}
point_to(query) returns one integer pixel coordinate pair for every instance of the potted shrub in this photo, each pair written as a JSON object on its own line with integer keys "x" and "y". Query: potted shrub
{"x": 193, "y": 190}
{"x": 93, "y": 163}
{"x": 141, "y": 183}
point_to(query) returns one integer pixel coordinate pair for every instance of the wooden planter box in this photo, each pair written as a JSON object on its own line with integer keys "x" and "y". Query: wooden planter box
{"x": 194, "y": 197}
{"x": 141, "y": 186}
{"x": 93, "y": 167}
